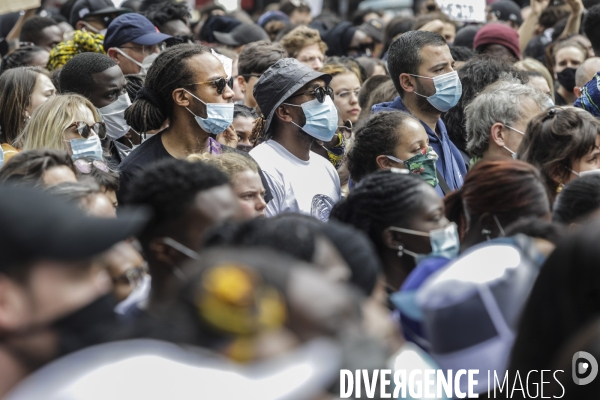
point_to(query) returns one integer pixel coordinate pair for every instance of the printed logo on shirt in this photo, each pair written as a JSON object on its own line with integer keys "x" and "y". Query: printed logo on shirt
{"x": 321, "y": 207}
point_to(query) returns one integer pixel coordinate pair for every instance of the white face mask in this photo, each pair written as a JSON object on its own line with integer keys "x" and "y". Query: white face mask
{"x": 113, "y": 116}
{"x": 513, "y": 153}
{"x": 94, "y": 30}
{"x": 144, "y": 65}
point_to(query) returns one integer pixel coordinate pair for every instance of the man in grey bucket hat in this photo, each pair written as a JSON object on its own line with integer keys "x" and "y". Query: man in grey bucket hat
{"x": 297, "y": 109}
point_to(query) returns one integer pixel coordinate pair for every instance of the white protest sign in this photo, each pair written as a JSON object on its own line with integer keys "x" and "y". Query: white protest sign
{"x": 464, "y": 10}
{"x": 7, "y": 6}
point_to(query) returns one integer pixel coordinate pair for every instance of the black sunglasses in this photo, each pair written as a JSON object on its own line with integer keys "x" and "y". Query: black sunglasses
{"x": 319, "y": 92}
{"x": 85, "y": 130}
{"x": 218, "y": 83}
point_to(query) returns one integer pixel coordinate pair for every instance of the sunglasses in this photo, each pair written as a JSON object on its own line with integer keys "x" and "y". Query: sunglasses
{"x": 319, "y": 92}
{"x": 85, "y": 130}
{"x": 218, "y": 83}
{"x": 85, "y": 167}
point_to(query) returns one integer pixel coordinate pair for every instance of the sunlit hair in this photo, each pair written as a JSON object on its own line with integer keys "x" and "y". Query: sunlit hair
{"x": 45, "y": 129}
{"x": 301, "y": 37}
{"x": 349, "y": 67}
{"x": 229, "y": 163}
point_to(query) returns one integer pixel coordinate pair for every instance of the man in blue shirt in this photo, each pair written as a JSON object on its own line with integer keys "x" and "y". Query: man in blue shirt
{"x": 422, "y": 70}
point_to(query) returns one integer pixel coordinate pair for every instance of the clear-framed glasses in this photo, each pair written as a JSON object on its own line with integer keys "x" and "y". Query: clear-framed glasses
{"x": 146, "y": 50}
{"x": 347, "y": 94}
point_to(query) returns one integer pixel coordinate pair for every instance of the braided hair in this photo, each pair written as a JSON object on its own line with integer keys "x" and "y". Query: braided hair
{"x": 21, "y": 57}
{"x": 383, "y": 199}
{"x": 154, "y": 102}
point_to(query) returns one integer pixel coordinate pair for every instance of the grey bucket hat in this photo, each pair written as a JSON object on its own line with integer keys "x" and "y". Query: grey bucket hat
{"x": 280, "y": 81}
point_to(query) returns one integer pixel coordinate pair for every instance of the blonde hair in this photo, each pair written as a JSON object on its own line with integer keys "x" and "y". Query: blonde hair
{"x": 46, "y": 128}
{"x": 301, "y": 37}
{"x": 531, "y": 64}
{"x": 229, "y": 163}
{"x": 349, "y": 67}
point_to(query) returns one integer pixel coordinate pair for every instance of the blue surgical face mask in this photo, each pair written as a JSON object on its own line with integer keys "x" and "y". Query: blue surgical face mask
{"x": 90, "y": 147}
{"x": 219, "y": 116}
{"x": 448, "y": 90}
{"x": 444, "y": 242}
{"x": 321, "y": 118}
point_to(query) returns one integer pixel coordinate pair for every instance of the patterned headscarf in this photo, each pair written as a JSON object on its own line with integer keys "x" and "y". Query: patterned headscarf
{"x": 590, "y": 96}
{"x": 82, "y": 42}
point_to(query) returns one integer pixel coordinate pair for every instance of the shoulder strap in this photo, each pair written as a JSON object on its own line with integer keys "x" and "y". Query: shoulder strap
{"x": 442, "y": 183}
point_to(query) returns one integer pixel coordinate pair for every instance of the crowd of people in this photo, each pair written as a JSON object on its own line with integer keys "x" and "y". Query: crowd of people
{"x": 215, "y": 203}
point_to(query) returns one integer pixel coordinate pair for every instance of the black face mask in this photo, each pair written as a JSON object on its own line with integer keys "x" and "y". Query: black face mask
{"x": 244, "y": 147}
{"x": 92, "y": 324}
{"x": 566, "y": 78}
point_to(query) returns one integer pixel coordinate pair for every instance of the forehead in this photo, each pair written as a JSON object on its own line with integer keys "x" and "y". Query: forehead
{"x": 569, "y": 52}
{"x": 432, "y": 55}
{"x": 205, "y": 66}
{"x": 311, "y": 50}
{"x": 112, "y": 76}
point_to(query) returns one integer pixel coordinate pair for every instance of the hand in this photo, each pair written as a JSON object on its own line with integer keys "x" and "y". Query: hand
{"x": 435, "y": 26}
{"x": 228, "y": 137}
{"x": 537, "y": 6}
{"x": 576, "y": 6}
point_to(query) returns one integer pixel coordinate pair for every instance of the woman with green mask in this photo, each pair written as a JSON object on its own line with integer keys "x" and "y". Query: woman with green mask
{"x": 392, "y": 139}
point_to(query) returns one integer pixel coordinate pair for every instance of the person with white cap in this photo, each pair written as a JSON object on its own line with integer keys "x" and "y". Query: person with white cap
{"x": 297, "y": 109}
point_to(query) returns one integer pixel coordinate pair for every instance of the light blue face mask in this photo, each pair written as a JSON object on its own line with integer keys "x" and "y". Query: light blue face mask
{"x": 444, "y": 242}
{"x": 219, "y": 116}
{"x": 448, "y": 90}
{"x": 321, "y": 118}
{"x": 90, "y": 147}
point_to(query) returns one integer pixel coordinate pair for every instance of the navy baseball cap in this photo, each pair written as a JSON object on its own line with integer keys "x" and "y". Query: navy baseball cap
{"x": 133, "y": 28}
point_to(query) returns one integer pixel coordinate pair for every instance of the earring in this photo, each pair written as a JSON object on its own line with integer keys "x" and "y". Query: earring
{"x": 400, "y": 251}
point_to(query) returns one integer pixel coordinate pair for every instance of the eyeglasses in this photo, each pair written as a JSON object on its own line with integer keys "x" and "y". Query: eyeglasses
{"x": 85, "y": 167}
{"x": 319, "y": 92}
{"x": 133, "y": 276}
{"x": 85, "y": 130}
{"x": 145, "y": 50}
{"x": 343, "y": 95}
{"x": 218, "y": 83}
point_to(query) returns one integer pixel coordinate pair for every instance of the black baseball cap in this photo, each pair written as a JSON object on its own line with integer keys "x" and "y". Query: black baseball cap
{"x": 374, "y": 28}
{"x": 507, "y": 10}
{"x": 39, "y": 226}
{"x": 133, "y": 28}
{"x": 242, "y": 34}
{"x": 92, "y": 8}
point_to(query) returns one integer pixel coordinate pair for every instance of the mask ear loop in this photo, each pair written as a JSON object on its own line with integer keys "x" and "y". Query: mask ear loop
{"x": 499, "y": 226}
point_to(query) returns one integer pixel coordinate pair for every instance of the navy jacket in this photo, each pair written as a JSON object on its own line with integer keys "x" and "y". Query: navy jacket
{"x": 451, "y": 164}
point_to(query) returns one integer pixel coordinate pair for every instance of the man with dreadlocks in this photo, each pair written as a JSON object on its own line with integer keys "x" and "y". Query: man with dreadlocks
{"x": 187, "y": 89}
{"x": 297, "y": 109}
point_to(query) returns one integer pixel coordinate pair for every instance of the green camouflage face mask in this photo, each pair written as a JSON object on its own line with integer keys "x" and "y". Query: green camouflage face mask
{"x": 422, "y": 164}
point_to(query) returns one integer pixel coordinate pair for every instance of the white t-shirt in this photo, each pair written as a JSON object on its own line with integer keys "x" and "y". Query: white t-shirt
{"x": 311, "y": 187}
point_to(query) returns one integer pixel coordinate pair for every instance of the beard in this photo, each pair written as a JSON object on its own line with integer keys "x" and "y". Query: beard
{"x": 421, "y": 101}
